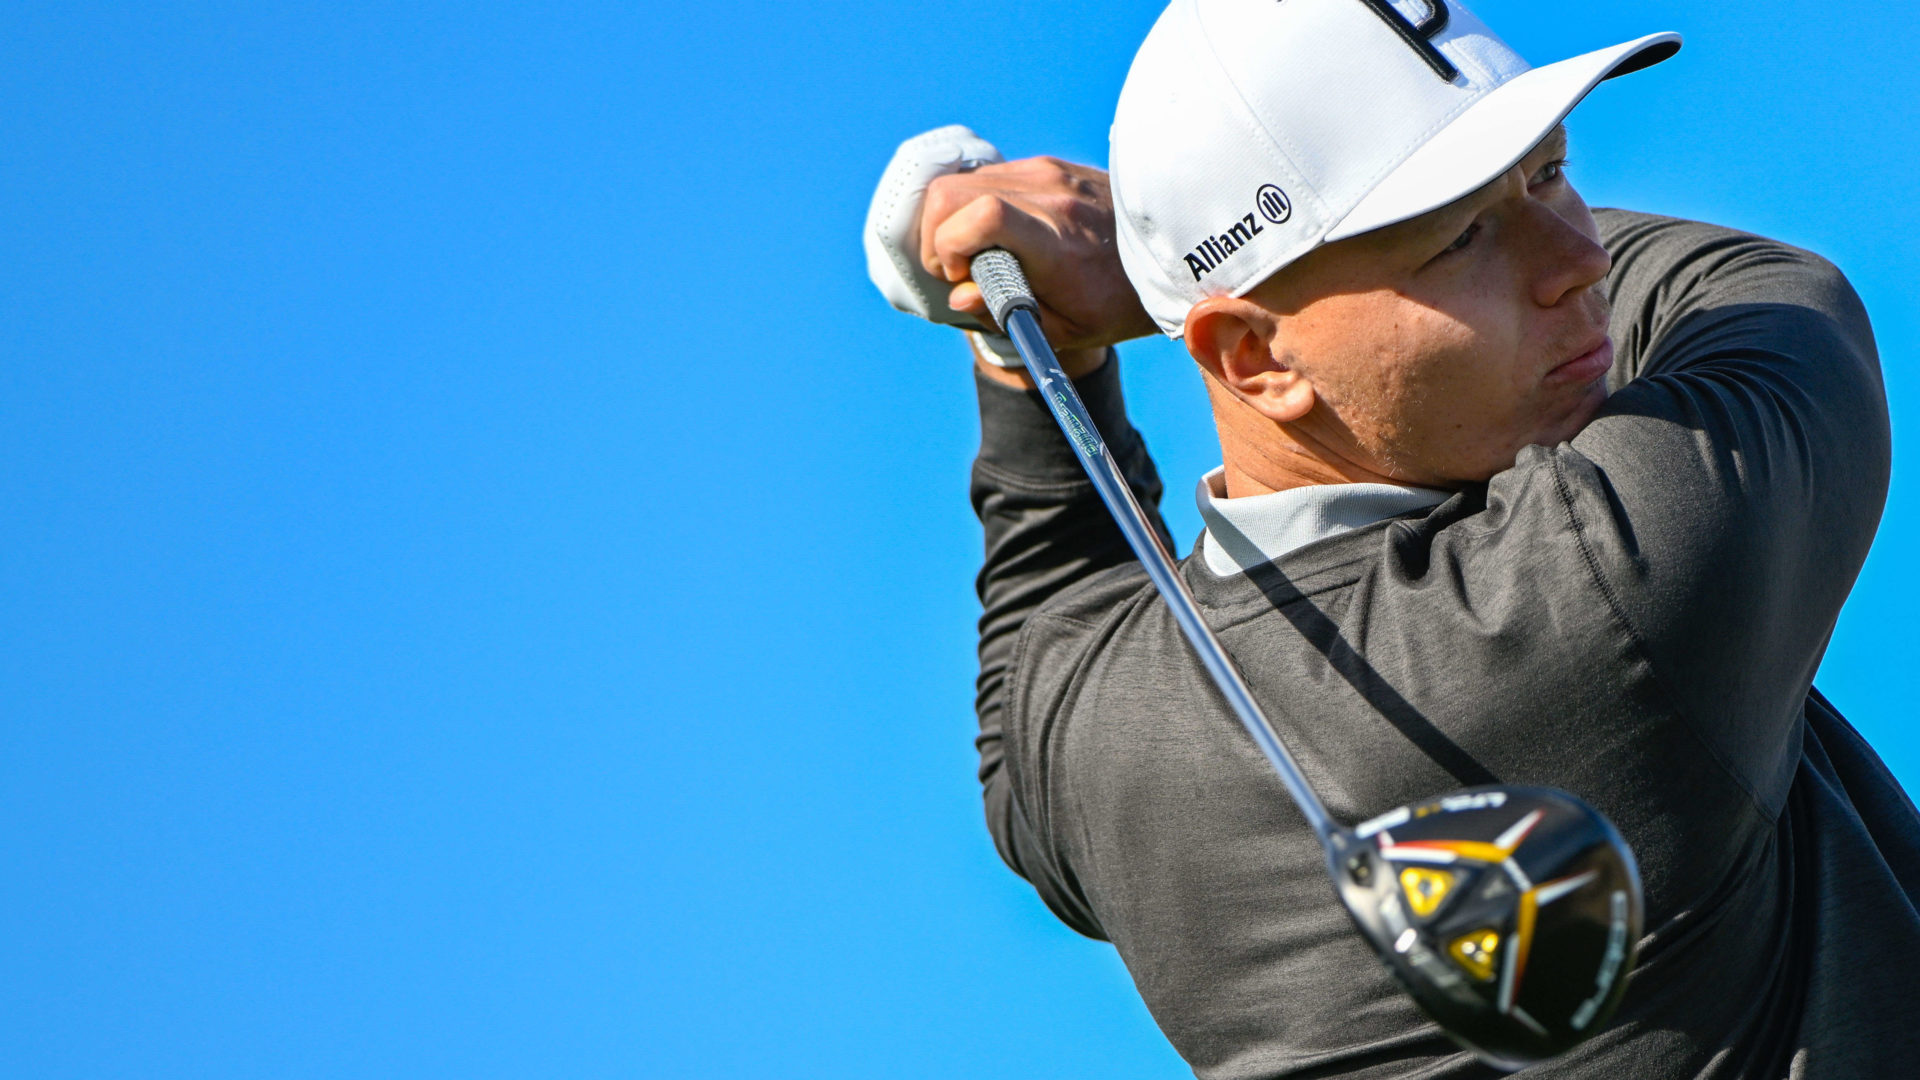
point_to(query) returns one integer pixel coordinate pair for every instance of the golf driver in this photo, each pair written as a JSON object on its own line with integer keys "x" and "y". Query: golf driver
{"x": 1509, "y": 914}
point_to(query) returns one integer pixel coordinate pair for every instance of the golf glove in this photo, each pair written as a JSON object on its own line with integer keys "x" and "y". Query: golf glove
{"x": 892, "y": 235}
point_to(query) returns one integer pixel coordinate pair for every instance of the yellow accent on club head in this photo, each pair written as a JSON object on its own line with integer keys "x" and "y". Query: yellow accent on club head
{"x": 1471, "y": 849}
{"x": 1475, "y": 953}
{"x": 1476, "y": 850}
{"x": 1425, "y": 888}
{"x": 1523, "y": 932}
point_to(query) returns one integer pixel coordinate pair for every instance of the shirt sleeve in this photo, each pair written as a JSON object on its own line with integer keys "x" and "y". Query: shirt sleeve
{"x": 1727, "y": 494}
{"x": 1046, "y": 530}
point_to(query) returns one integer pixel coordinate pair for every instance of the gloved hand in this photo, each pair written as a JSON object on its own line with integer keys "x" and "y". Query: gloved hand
{"x": 892, "y": 235}
{"x": 946, "y": 196}
{"x": 893, "y": 221}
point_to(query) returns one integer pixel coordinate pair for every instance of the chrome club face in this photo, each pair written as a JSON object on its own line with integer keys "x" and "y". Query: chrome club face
{"x": 1510, "y": 914}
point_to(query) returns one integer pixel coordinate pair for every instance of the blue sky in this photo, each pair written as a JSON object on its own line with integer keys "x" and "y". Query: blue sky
{"x": 486, "y": 584}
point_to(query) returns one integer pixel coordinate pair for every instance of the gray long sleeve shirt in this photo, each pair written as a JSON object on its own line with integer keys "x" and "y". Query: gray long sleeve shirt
{"x": 1635, "y": 616}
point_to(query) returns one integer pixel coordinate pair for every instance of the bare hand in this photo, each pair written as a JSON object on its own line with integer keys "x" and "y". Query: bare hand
{"x": 1057, "y": 218}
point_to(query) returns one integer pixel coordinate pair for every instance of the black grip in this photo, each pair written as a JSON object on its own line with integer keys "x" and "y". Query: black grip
{"x": 1002, "y": 283}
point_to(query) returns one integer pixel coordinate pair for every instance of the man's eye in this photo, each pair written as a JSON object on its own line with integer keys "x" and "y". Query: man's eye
{"x": 1465, "y": 239}
{"x": 1551, "y": 171}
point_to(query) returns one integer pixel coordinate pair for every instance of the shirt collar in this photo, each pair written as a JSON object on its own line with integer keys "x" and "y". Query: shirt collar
{"x": 1257, "y": 529}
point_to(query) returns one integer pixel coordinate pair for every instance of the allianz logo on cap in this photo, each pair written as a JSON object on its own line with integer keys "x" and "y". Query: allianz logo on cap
{"x": 1208, "y": 254}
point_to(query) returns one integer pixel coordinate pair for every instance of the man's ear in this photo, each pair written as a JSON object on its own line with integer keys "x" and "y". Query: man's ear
{"x": 1236, "y": 341}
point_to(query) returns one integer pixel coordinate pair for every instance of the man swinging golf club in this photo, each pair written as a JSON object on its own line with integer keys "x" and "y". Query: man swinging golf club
{"x": 1512, "y": 493}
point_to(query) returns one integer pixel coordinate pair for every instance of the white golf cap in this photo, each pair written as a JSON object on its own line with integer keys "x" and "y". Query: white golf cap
{"x": 1250, "y": 132}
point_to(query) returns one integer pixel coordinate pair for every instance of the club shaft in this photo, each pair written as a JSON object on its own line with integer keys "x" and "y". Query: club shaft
{"x": 1064, "y": 401}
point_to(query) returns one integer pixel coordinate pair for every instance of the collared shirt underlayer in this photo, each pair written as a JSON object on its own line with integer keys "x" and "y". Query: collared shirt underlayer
{"x": 1256, "y": 529}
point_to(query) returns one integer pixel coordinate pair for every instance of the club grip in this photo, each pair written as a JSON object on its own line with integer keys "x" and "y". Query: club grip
{"x": 1002, "y": 284}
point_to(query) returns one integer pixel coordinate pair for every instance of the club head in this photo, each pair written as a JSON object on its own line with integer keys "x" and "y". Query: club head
{"x": 1510, "y": 914}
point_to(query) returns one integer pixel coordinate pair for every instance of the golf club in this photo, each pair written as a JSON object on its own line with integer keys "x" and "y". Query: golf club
{"x": 1510, "y": 915}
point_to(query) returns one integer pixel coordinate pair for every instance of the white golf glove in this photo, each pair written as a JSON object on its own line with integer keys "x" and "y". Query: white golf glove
{"x": 892, "y": 235}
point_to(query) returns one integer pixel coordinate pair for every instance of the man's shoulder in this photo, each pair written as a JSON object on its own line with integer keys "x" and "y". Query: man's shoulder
{"x": 1668, "y": 269}
{"x": 1636, "y": 238}
{"x": 1622, "y": 229}
{"x": 1096, "y": 599}
{"x": 1073, "y": 625}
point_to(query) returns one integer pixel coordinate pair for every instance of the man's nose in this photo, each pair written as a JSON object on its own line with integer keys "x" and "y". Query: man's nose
{"x": 1569, "y": 261}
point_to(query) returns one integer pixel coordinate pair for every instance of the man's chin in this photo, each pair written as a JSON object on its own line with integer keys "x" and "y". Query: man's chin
{"x": 1578, "y": 416}
{"x": 1572, "y": 421}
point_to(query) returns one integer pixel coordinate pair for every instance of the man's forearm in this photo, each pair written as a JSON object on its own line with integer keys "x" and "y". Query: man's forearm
{"x": 1045, "y": 531}
{"x": 1043, "y": 522}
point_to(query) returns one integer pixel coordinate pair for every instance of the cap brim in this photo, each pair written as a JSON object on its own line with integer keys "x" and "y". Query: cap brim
{"x": 1493, "y": 134}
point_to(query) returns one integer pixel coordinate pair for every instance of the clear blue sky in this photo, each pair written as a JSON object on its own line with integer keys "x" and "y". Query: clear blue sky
{"x": 485, "y": 584}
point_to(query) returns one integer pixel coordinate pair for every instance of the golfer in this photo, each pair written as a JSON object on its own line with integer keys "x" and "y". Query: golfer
{"x": 1510, "y": 491}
